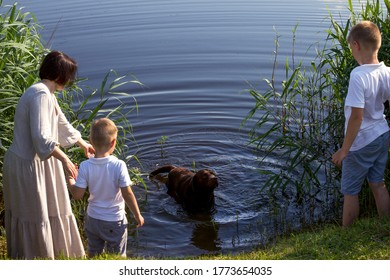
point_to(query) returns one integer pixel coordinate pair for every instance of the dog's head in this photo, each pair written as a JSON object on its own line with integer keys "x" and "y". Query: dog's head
{"x": 202, "y": 194}
{"x": 205, "y": 181}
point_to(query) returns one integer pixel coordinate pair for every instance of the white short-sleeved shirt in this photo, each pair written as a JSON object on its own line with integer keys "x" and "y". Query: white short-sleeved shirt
{"x": 369, "y": 88}
{"x": 104, "y": 177}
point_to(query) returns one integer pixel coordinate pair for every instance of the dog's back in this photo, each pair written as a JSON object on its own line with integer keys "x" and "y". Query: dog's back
{"x": 178, "y": 178}
{"x": 195, "y": 191}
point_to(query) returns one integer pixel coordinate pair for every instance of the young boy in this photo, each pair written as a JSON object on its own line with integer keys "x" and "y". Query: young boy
{"x": 365, "y": 148}
{"x": 109, "y": 185}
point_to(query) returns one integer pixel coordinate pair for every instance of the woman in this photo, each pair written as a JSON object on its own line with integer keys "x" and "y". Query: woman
{"x": 39, "y": 220}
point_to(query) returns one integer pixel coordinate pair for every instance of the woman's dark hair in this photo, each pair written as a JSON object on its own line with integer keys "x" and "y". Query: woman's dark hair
{"x": 58, "y": 67}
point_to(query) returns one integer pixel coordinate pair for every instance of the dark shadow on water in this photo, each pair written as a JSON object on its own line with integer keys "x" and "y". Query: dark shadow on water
{"x": 205, "y": 232}
{"x": 205, "y": 229}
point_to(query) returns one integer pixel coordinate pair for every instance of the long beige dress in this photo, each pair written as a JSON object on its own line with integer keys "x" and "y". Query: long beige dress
{"x": 39, "y": 219}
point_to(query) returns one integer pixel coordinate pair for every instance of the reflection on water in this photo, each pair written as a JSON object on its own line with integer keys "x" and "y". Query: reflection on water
{"x": 196, "y": 59}
{"x": 205, "y": 237}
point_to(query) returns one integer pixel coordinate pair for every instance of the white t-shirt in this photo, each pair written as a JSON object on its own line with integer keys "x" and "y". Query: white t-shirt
{"x": 104, "y": 177}
{"x": 369, "y": 88}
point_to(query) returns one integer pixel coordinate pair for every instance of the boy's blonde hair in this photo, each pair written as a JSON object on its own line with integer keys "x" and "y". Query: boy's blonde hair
{"x": 103, "y": 131}
{"x": 367, "y": 34}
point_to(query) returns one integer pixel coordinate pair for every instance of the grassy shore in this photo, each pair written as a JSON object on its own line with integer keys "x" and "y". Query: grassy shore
{"x": 367, "y": 239}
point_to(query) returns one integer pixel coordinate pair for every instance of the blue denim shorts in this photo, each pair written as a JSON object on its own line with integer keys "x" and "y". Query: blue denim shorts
{"x": 110, "y": 237}
{"x": 368, "y": 162}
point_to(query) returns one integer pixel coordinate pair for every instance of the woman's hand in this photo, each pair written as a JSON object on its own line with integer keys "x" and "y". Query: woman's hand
{"x": 89, "y": 151}
{"x": 71, "y": 170}
{"x": 70, "y": 181}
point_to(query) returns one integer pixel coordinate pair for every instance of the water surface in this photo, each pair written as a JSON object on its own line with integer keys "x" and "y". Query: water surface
{"x": 196, "y": 59}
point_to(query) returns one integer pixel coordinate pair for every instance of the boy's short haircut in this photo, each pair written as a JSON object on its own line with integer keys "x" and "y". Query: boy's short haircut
{"x": 103, "y": 131}
{"x": 366, "y": 33}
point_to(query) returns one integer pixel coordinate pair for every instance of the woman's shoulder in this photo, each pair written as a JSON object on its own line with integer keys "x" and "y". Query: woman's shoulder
{"x": 36, "y": 89}
{"x": 39, "y": 87}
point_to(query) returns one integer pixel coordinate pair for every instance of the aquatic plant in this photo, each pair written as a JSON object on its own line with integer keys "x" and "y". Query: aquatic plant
{"x": 162, "y": 141}
{"x": 299, "y": 118}
{"x": 295, "y": 121}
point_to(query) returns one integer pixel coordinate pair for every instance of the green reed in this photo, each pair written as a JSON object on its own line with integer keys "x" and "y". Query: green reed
{"x": 82, "y": 105}
{"x": 162, "y": 141}
{"x": 22, "y": 51}
{"x": 299, "y": 119}
{"x": 292, "y": 123}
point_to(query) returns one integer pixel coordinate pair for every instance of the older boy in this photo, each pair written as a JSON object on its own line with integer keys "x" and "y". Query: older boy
{"x": 109, "y": 186}
{"x": 365, "y": 148}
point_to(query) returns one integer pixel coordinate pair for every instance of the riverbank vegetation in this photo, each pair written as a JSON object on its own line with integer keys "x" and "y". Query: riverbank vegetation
{"x": 299, "y": 118}
{"x": 22, "y": 50}
{"x": 367, "y": 239}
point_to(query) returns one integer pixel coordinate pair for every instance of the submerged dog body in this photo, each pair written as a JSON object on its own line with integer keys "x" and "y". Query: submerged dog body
{"x": 194, "y": 191}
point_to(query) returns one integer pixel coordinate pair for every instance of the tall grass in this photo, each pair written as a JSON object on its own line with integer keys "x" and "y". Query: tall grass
{"x": 22, "y": 51}
{"x": 299, "y": 118}
{"x": 82, "y": 105}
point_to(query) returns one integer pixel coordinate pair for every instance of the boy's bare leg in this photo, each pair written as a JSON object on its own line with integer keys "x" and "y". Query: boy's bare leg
{"x": 350, "y": 209}
{"x": 382, "y": 198}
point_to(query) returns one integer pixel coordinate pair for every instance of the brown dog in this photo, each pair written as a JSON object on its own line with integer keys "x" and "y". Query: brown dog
{"x": 194, "y": 191}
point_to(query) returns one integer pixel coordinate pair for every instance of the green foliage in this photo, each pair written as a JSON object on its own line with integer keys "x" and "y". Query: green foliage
{"x": 162, "y": 141}
{"x": 299, "y": 119}
{"x": 82, "y": 105}
{"x": 367, "y": 239}
{"x": 22, "y": 51}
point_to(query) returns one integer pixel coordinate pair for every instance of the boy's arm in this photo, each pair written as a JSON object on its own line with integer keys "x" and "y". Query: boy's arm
{"x": 354, "y": 124}
{"x": 131, "y": 202}
{"x": 77, "y": 193}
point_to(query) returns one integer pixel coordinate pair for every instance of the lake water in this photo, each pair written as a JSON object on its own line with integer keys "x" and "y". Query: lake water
{"x": 196, "y": 59}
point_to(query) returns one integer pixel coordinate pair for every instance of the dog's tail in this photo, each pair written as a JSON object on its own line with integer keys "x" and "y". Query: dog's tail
{"x": 162, "y": 169}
